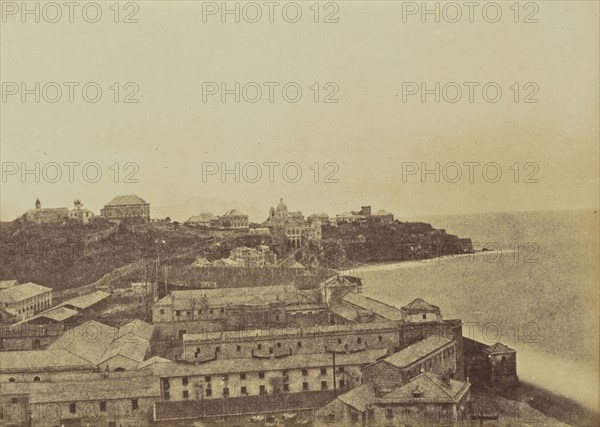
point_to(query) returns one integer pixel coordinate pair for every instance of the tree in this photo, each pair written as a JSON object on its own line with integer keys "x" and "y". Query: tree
{"x": 78, "y": 204}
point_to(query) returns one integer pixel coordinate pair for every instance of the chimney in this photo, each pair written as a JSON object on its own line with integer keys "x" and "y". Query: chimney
{"x": 446, "y": 379}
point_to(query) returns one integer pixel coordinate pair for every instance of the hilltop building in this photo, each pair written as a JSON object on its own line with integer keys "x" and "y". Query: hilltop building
{"x": 292, "y": 226}
{"x": 81, "y": 215}
{"x": 421, "y": 311}
{"x": 364, "y": 214}
{"x": 494, "y": 365}
{"x": 26, "y": 300}
{"x": 205, "y": 219}
{"x": 41, "y": 215}
{"x": 128, "y": 206}
{"x": 234, "y": 219}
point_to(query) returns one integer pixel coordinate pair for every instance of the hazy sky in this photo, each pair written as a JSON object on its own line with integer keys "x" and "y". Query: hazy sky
{"x": 368, "y": 134}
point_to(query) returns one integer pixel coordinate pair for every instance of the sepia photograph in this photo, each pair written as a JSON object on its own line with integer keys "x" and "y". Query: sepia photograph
{"x": 351, "y": 213}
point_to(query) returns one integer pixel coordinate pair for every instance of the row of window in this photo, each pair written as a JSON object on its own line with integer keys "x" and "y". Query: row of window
{"x": 73, "y": 406}
{"x": 36, "y": 379}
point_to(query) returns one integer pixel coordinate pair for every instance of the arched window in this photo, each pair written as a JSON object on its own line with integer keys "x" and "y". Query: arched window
{"x": 36, "y": 379}
{"x": 119, "y": 369}
{"x": 11, "y": 380}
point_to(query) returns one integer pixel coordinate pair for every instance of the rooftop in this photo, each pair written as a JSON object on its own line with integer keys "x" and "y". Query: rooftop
{"x": 249, "y": 405}
{"x": 414, "y": 352}
{"x": 94, "y": 390}
{"x": 22, "y": 292}
{"x": 427, "y": 387}
{"x": 420, "y": 305}
{"x": 360, "y": 397}
{"x": 40, "y": 360}
{"x": 129, "y": 199}
{"x": 85, "y": 301}
{"x": 258, "y": 295}
{"x": 57, "y": 314}
{"x": 499, "y": 348}
{"x": 297, "y": 361}
{"x": 379, "y": 308}
{"x": 265, "y": 334}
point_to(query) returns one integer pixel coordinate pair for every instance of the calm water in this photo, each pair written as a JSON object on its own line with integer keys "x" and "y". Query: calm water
{"x": 537, "y": 293}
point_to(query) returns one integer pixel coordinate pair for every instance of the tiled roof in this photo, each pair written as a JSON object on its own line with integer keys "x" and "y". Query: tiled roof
{"x": 420, "y": 305}
{"x": 152, "y": 361}
{"x": 249, "y": 405}
{"x": 4, "y": 284}
{"x": 94, "y": 390}
{"x": 379, "y": 308}
{"x": 84, "y": 301}
{"x": 499, "y": 348}
{"x": 40, "y": 360}
{"x": 408, "y": 355}
{"x": 344, "y": 311}
{"x": 130, "y": 346}
{"x": 129, "y": 199}
{"x": 22, "y": 292}
{"x": 360, "y": 397}
{"x": 297, "y": 361}
{"x": 431, "y": 388}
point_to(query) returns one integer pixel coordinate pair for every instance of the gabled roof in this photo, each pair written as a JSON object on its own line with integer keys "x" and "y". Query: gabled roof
{"x": 360, "y": 397}
{"x": 128, "y": 199}
{"x": 420, "y": 305}
{"x": 137, "y": 327}
{"x": 58, "y": 314}
{"x": 152, "y": 361}
{"x": 88, "y": 341}
{"x": 386, "y": 311}
{"x": 203, "y": 217}
{"x": 499, "y": 348}
{"x": 4, "y": 284}
{"x": 130, "y": 346}
{"x": 22, "y": 292}
{"x": 234, "y": 212}
{"x": 381, "y": 212}
{"x": 431, "y": 388}
{"x": 409, "y": 355}
{"x": 82, "y": 302}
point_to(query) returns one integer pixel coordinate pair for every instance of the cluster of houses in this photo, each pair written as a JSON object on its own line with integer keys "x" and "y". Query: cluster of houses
{"x": 278, "y": 354}
{"x": 242, "y": 257}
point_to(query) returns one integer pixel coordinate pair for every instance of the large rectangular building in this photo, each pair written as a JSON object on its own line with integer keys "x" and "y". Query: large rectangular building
{"x": 127, "y": 206}
{"x": 26, "y": 300}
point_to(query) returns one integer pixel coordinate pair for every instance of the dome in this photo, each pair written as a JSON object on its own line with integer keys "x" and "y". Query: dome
{"x": 281, "y": 207}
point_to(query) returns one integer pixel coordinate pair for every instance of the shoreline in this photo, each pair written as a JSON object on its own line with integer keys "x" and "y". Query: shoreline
{"x": 398, "y": 265}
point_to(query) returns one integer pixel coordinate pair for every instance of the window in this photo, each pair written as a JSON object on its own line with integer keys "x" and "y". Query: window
{"x": 339, "y": 340}
{"x": 299, "y": 344}
{"x": 244, "y": 390}
{"x": 354, "y": 418}
{"x": 238, "y": 348}
{"x": 162, "y": 311}
{"x": 304, "y": 372}
{"x": 278, "y": 345}
{"x": 134, "y": 404}
{"x": 36, "y": 379}
{"x": 208, "y": 392}
{"x": 184, "y": 381}
{"x": 389, "y": 413}
{"x": 73, "y": 408}
{"x": 14, "y": 400}
{"x": 185, "y": 394}
{"x": 225, "y": 391}
{"x": 177, "y": 313}
{"x": 359, "y": 340}
{"x": 11, "y": 380}
{"x": 342, "y": 384}
{"x": 323, "y": 385}
{"x": 270, "y": 350}
{"x": 210, "y": 311}
{"x": 380, "y": 338}
{"x": 102, "y": 406}
{"x": 323, "y": 371}
{"x": 167, "y": 395}
{"x": 243, "y": 376}
{"x": 218, "y": 348}
{"x": 189, "y": 313}
{"x": 207, "y": 379}
{"x": 261, "y": 374}
{"x": 305, "y": 386}
{"x": 259, "y": 346}
{"x": 286, "y": 387}
{"x": 225, "y": 377}
{"x": 284, "y": 373}
{"x": 341, "y": 369}
{"x": 262, "y": 390}
{"x": 277, "y": 317}
{"x": 424, "y": 317}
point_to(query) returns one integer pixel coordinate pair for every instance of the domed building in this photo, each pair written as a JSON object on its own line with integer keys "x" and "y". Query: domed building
{"x": 292, "y": 225}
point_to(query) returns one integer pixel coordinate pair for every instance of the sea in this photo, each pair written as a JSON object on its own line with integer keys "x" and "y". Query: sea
{"x": 534, "y": 289}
